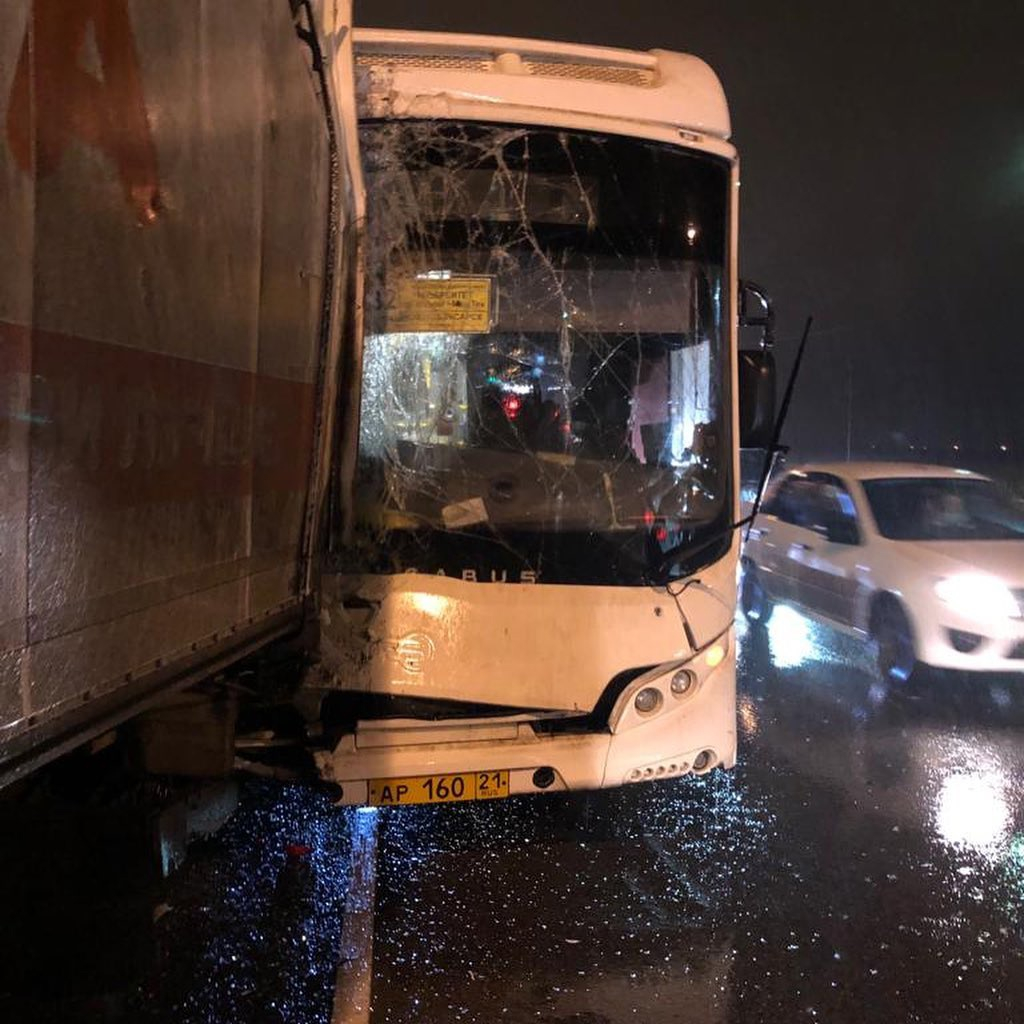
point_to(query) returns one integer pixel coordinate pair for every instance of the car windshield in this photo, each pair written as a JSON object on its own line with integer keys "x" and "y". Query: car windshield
{"x": 546, "y": 353}
{"x": 941, "y": 508}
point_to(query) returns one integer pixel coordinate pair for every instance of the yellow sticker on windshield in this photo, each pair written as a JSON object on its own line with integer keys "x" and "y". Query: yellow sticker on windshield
{"x": 461, "y": 305}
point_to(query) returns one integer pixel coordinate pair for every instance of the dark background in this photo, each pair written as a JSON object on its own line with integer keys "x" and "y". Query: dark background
{"x": 882, "y": 154}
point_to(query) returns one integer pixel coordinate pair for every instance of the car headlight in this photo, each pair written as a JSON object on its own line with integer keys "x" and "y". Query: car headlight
{"x": 978, "y": 597}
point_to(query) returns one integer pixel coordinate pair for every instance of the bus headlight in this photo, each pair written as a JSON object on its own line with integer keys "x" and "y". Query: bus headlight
{"x": 648, "y": 700}
{"x": 683, "y": 681}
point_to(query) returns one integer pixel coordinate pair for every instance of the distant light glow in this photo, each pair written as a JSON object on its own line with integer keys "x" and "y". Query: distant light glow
{"x": 512, "y": 404}
{"x": 691, "y": 233}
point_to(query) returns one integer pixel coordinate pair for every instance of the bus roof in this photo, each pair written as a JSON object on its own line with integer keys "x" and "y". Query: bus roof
{"x": 657, "y": 86}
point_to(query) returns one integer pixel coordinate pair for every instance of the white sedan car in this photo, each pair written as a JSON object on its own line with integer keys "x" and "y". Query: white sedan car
{"x": 925, "y": 561}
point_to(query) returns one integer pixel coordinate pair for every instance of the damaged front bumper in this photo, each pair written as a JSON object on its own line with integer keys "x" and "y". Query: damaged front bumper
{"x": 691, "y": 728}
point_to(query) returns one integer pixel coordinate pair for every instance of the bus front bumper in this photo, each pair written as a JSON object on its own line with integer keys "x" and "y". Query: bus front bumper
{"x": 686, "y": 736}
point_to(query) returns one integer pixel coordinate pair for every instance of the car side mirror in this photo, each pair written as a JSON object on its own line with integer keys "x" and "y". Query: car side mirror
{"x": 756, "y": 370}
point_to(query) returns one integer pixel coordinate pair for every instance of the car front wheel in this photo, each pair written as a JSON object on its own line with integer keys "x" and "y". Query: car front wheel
{"x": 894, "y": 642}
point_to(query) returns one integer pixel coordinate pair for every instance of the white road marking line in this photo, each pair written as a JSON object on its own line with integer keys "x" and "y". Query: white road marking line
{"x": 355, "y": 964}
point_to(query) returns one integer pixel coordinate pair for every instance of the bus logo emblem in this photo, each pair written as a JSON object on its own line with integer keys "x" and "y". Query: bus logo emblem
{"x": 413, "y": 652}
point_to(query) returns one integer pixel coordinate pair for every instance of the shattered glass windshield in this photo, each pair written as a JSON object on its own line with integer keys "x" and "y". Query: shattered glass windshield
{"x": 546, "y": 354}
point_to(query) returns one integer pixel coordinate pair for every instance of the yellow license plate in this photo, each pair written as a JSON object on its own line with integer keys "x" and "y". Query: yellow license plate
{"x": 439, "y": 789}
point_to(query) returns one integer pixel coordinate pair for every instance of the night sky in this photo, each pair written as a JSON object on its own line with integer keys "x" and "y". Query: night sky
{"x": 882, "y": 151}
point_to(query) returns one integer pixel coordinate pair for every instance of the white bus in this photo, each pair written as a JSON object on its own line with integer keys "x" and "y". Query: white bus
{"x": 531, "y": 577}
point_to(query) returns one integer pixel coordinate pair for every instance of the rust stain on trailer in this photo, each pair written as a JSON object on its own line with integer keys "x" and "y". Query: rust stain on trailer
{"x": 54, "y": 99}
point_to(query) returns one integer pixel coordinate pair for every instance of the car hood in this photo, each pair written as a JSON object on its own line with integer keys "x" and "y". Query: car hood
{"x": 1001, "y": 558}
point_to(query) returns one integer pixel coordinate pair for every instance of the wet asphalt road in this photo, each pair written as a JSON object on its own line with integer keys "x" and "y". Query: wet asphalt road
{"x": 864, "y": 861}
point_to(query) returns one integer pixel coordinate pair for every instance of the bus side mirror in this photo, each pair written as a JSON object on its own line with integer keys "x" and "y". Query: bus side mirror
{"x": 757, "y": 369}
{"x": 756, "y": 397}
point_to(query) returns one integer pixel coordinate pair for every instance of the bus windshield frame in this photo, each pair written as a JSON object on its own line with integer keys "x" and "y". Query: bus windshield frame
{"x": 547, "y": 355}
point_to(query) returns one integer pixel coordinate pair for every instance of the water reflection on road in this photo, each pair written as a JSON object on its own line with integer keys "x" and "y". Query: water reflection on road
{"x": 866, "y": 858}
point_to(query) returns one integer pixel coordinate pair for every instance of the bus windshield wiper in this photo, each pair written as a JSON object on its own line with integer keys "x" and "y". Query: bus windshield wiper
{"x": 773, "y": 449}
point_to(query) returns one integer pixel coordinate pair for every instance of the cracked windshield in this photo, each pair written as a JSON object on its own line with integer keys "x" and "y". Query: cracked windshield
{"x": 546, "y": 366}
{"x": 511, "y": 512}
